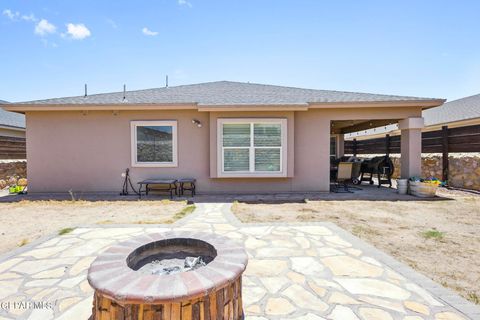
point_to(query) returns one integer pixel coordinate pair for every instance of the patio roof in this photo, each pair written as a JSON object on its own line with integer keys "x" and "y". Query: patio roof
{"x": 460, "y": 112}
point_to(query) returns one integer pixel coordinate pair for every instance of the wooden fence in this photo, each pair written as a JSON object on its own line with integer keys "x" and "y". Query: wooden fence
{"x": 461, "y": 139}
{"x": 12, "y": 148}
{"x": 387, "y": 145}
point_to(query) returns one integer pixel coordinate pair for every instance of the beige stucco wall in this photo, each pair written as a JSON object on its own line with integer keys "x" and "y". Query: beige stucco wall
{"x": 68, "y": 150}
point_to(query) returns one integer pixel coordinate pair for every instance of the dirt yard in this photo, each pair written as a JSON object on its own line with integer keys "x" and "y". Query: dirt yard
{"x": 440, "y": 239}
{"x": 24, "y": 221}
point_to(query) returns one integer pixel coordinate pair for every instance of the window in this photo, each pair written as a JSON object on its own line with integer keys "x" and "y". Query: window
{"x": 255, "y": 147}
{"x": 154, "y": 143}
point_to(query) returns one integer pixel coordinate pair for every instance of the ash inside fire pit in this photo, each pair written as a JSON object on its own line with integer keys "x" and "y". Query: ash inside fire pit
{"x": 173, "y": 265}
{"x": 171, "y": 256}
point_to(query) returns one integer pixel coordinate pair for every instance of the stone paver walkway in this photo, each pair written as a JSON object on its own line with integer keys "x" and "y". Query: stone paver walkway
{"x": 297, "y": 271}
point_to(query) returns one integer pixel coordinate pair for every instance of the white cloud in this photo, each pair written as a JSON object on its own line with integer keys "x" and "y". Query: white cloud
{"x": 10, "y": 14}
{"x": 149, "y": 32}
{"x": 185, "y": 3}
{"x": 43, "y": 27}
{"x": 30, "y": 17}
{"x": 15, "y": 16}
{"x": 78, "y": 31}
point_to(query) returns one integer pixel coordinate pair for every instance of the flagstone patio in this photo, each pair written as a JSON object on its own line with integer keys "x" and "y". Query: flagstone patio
{"x": 296, "y": 271}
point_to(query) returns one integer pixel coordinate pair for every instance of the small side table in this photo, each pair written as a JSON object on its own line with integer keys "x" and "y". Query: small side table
{"x": 187, "y": 184}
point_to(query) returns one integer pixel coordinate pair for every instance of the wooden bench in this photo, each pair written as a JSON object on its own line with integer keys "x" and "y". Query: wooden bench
{"x": 167, "y": 185}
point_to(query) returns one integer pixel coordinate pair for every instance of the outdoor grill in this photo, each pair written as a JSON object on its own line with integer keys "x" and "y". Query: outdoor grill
{"x": 381, "y": 166}
{"x": 169, "y": 275}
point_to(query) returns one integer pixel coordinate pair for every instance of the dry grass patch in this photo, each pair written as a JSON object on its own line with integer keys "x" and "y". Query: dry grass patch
{"x": 41, "y": 218}
{"x": 362, "y": 231}
{"x": 472, "y": 296}
{"x": 185, "y": 211}
{"x": 23, "y": 242}
{"x": 441, "y": 239}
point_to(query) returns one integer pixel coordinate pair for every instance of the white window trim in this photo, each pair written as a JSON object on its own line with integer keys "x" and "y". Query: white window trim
{"x": 133, "y": 138}
{"x": 252, "y": 174}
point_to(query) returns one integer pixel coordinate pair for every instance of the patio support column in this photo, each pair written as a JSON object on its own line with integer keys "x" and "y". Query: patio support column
{"x": 340, "y": 145}
{"x": 411, "y": 147}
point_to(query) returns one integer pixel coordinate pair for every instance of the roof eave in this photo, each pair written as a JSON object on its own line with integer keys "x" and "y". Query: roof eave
{"x": 14, "y": 128}
{"x": 21, "y": 107}
{"x": 424, "y": 104}
{"x": 454, "y": 123}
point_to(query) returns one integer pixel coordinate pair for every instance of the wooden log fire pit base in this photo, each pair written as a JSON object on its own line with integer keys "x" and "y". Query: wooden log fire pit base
{"x": 225, "y": 303}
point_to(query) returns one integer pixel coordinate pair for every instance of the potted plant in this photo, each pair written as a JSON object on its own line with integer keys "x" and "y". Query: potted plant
{"x": 424, "y": 187}
{"x": 16, "y": 185}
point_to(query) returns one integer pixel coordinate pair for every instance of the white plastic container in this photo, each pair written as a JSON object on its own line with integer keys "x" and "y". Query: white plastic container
{"x": 402, "y": 186}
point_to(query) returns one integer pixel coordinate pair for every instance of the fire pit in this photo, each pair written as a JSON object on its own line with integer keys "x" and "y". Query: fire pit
{"x": 169, "y": 275}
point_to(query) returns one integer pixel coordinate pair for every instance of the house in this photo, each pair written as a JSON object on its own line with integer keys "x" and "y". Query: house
{"x": 457, "y": 113}
{"x": 11, "y": 124}
{"x": 231, "y": 136}
{"x": 12, "y": 134}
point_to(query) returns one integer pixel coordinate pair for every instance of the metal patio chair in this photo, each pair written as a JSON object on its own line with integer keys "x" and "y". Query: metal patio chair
{"x": 344, "y": 175}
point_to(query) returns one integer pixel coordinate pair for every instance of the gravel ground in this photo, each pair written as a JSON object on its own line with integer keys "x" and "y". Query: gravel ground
{"x": 440, "y": 239}
{"x": 24, "y": 221}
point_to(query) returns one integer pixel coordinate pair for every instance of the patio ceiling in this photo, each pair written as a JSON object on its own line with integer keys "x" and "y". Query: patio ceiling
{"x": 348, "y": 126}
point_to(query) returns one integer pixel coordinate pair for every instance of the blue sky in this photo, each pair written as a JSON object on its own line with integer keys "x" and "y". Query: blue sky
{"x": 50, "y": 48}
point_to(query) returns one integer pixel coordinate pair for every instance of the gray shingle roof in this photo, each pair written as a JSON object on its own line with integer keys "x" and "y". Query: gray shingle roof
{"x": 11, "y": 119}
{"x": 456, "y": 110}
{"x": 226, "y": 93}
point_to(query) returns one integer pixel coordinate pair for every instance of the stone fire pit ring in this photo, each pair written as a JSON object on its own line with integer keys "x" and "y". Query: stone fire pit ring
{"x": 118, "y": 286}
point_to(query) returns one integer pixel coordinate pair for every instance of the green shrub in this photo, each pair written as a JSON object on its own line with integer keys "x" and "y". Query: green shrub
{"x": 433, "y": 234}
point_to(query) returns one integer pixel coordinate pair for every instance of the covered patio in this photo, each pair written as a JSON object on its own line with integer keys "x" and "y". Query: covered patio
{"x": 410, "y": 144}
